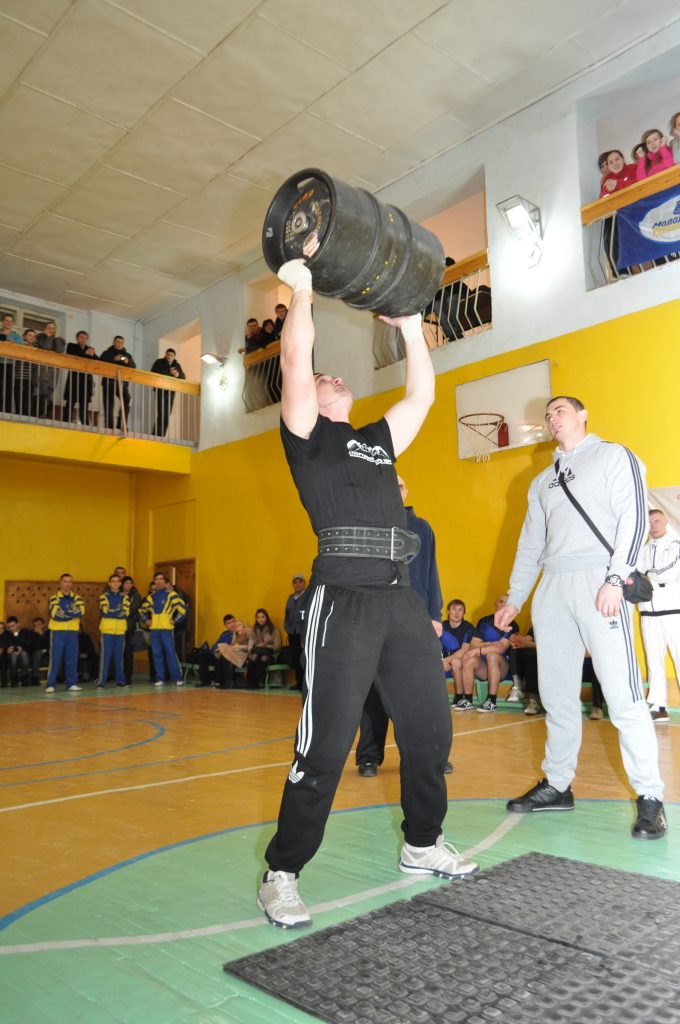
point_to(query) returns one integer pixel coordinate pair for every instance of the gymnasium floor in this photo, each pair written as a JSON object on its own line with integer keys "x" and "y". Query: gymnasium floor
{"x": 134, "y": 824}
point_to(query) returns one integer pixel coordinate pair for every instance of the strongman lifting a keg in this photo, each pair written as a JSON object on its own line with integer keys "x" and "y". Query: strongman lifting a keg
{"x": 363, "y": 623}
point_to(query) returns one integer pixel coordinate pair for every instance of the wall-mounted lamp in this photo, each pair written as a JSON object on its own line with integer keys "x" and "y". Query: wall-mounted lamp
{"x": 220, "y": 363}
{"x": 523, "y": 221}
{"x": 213, "y": 360}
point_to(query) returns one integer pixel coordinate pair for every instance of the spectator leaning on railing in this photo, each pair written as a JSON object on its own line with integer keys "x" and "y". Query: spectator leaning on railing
{"x": 79, "y": 385}
{"x": 118, "y": 354}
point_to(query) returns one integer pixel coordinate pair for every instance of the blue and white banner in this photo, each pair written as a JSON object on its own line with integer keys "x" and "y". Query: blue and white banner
{"x": 649, "y": 228}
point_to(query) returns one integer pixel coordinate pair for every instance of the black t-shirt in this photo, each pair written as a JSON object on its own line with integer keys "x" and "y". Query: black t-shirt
{"x": 346, "y": 477}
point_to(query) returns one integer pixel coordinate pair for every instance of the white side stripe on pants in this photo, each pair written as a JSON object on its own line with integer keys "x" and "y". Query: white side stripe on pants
{"x": 305, "y": 725}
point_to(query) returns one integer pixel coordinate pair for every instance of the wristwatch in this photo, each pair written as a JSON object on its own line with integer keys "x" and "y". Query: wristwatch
{"x": 614, "y": 580}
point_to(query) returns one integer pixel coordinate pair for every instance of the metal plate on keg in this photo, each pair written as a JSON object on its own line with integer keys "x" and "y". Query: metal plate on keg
{"x": 310, "y": 213}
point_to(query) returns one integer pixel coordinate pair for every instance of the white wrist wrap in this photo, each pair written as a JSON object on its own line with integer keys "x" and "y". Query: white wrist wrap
{"x": 412, "y": 327}
{"x": 297, "y": 275}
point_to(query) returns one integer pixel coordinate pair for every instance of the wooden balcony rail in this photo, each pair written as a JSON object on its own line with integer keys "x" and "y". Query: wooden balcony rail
{"x": 52, "y": 389}
{"x": 624, "y": 197}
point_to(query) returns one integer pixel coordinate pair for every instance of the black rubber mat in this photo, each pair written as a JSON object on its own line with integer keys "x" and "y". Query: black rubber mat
{"x": 538, "y": 939}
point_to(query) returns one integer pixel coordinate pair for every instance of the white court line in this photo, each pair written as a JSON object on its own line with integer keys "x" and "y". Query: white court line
{"x": 253, "y": 922}
{"x": 206, "y": 775}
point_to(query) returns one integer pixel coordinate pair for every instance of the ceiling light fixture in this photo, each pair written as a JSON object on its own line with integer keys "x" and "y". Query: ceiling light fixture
{"x": 213, "y": 360}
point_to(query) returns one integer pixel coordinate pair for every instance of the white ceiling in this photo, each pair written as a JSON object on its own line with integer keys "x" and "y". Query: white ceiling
{"x": 142, "y": 140}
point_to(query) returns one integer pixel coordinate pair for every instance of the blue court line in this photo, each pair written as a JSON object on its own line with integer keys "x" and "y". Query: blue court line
{"x": 16, "y": 915}
{"x": 160, "y": 731}
{"x": 27, "y": 908}
{"x": 132, "y": 767}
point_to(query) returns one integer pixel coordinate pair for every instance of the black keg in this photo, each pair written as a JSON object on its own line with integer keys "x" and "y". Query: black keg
{"x": 370, "y": 255}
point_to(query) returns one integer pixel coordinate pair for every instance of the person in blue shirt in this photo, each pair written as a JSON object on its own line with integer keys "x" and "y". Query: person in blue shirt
{"x": 161, "y": 610}
{"x": 487, "y": 657}
{"x": 210, "y": 657}
{"x": 457, "y": 633}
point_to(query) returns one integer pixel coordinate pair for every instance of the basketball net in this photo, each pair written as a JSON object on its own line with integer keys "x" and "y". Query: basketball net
{"x": 485, "y": 432}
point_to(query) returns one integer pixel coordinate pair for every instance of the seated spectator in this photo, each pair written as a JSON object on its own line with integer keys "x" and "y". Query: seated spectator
{"x": 25, "y": 374}
{"x": 657, "y": 156}
{"x": 281, "y": 313}
{"x": 523, "y": 665}
{"x": 237, "y": 652}
{"x": 455, "y": 640}
{"x": 49, "y": 341}
{"x": 88, "y": 659}
{"x": 220, "y": 660}
{"x": 265, "y": 644}
{"x": 487, "y": 656}
{"x": 40, "y": 649}
{"x": 17, "y": 646}
{"x": 167, "y": 366}
{"x": 675, "y": 138}
{"x": 617, "y": 173}
{"x": 79, "y": 385}
{"x": 118, "y": 354}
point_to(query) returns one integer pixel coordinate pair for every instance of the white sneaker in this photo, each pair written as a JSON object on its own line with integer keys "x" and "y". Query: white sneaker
{"x": 516, "y": 694}
{"x": 278, "y": 897}
{"x": 179, "y": 682}
{"x": 159, "y": 682}
{"x": 49, "y": 689}
{"x": 533, "y": 707}
{"x": 73, "y": 689}
{"x": 441, "y": 860}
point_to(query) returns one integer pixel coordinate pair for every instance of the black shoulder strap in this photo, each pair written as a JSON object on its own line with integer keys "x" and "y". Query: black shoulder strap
{"x": 581, "y": 511}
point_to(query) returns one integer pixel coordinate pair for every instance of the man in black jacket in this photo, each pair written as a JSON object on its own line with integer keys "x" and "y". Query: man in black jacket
{"x": 118, "y": 354}
{"x": 79, "y": 385}
{"x": 165, "y": 400}
{"x": 17, "y": 644}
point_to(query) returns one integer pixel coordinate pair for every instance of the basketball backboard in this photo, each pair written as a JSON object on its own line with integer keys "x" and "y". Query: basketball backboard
{"x": 505, "y": 410}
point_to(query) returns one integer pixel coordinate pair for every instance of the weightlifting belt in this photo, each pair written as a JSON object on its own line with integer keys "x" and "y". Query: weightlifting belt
{"x": 369, "y": 542}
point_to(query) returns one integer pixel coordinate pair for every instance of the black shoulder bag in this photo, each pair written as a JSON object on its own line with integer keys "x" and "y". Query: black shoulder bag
{"x": 637, "y": 587}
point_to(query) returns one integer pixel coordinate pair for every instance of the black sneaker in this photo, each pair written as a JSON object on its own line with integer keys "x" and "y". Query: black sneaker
{"x": 651, "y": 819}
{"x": 542, "y": 797}
{"x": 368, "y": 770}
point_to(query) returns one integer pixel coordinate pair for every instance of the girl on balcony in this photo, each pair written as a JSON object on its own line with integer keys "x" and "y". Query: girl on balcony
{"x": 617, "y": 174}
{"x": 675, "y": 138}
{"x": 657, "y": 156}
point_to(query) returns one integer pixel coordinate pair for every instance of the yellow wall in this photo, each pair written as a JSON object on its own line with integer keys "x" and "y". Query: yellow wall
{"x": 238, "y": 514}
{"x": 251, "y": 533}
{"x": 57, "y": 518}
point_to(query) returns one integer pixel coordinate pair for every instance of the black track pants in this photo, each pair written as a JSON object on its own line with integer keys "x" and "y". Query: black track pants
{"x": 351, "y": 640}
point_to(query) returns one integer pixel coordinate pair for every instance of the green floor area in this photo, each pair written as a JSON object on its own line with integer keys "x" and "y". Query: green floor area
{"x": 145, "y": 941}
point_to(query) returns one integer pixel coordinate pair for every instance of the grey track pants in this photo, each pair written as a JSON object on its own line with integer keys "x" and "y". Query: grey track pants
{"x": 566, "y": 623}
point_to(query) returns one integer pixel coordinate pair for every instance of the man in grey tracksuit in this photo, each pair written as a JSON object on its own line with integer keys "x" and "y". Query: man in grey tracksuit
{"x": 579, "y": 605}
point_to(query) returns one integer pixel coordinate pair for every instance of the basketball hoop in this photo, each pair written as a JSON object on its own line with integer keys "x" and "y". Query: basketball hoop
{"x": 485, "y": 432}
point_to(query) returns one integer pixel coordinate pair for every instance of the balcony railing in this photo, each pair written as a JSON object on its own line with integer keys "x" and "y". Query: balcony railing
{"x": 601, "y": 232}
{"x": 461, "y": 308}
{"x": 262, "y": 384}
{"x": 79, "y": 394}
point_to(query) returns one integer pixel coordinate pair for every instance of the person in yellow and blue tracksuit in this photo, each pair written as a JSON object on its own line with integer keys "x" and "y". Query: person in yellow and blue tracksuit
{"x": 162, "y": 609}
{"x": 114, "y": 608}
{"x": 66, "y": 611}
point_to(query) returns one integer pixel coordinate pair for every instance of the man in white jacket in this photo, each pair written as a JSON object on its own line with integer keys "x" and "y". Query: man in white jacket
{"x": 660, "y": 617}
{"x": 579, "y": 604}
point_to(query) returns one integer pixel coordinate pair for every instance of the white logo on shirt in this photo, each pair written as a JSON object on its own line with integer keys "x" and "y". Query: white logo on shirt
{"x": 371, "y": 453}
